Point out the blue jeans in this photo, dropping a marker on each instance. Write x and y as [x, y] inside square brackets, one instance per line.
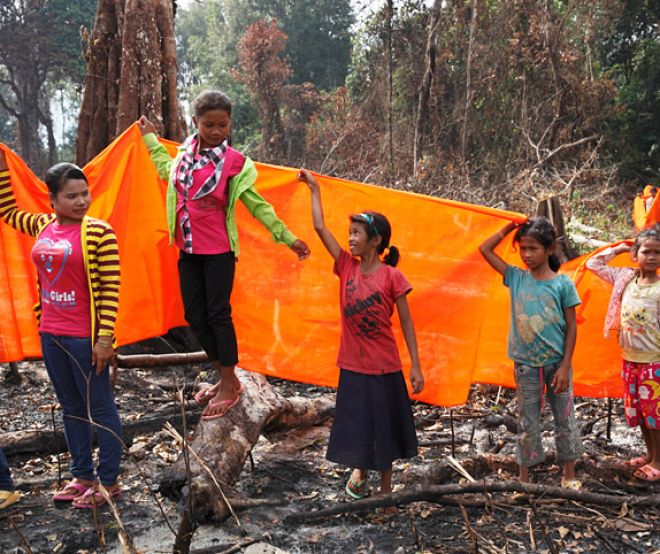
[6, 484]
[530, 384]
[69, 364]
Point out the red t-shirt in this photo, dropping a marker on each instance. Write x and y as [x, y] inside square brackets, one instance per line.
[367, 303]
[208, 215]
[65, 296]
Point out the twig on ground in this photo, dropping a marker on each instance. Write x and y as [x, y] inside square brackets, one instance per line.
[532, 539]
[24, 542]
[544, 529]
[476, 537]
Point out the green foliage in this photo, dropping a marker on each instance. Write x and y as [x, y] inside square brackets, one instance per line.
[631, 54]
[65, 19]
[208, 32]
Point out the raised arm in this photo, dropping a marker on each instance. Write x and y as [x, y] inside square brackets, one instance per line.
[327, 238]
[598, 263]
[487, 248]
[416, 377]
[22, 221]
[158, 153]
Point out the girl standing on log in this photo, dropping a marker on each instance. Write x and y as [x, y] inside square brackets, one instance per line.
[373, 424]
[77, 262]
[634, 309]
[542, 337]
[205, 180]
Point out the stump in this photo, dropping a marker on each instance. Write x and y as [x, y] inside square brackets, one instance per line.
[223, 444]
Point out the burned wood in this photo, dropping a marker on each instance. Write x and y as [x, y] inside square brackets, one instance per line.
[52, 442]
[221, 446]
[496, 420]
[430, 493]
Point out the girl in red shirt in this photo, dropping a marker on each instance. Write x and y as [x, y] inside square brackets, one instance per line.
[373, 423]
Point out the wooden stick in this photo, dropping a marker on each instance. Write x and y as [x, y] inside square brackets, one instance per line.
[160, 360]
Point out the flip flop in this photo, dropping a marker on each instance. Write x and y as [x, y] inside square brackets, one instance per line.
[62, 496]
[223, 405]
[205, 395]
[357, 489]
[93, 499]
[647, 473]
[7, 498]
[571, 484]
[635, 463]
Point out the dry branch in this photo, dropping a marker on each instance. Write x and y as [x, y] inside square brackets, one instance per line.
[431, 493]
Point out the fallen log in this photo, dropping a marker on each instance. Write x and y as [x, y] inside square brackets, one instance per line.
[432, 493]
[221, 446]
[45, 442]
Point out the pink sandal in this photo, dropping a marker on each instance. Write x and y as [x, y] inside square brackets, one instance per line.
[94, 499]
[223, 405]
[63, 496]
[636, 463]
[205, 395]
[647, 473]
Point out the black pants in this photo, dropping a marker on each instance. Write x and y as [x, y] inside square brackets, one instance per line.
[206, 282]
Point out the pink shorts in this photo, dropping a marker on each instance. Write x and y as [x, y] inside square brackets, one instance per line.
[641, 393]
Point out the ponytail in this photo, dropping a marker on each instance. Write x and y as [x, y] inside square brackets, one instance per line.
[392, 256]
[553, 262]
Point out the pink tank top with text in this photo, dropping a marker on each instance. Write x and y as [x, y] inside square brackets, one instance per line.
[64, 289]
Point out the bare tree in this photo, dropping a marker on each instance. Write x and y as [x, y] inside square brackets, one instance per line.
[427, 82]
[468, 84]
[25, 63]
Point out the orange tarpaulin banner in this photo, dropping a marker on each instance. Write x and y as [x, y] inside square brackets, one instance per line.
[287, 312]
[641, 217]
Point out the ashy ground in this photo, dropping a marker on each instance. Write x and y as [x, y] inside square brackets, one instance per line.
[290, 472]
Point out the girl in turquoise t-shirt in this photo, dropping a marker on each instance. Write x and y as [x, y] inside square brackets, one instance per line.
[542, 338]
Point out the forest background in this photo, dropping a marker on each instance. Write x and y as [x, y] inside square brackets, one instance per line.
[496, 102]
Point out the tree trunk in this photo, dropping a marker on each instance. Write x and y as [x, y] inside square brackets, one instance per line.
[552, 35]
[427, 82]
[223, 444]
[550, 208]
[468, 84]
[390, 89]
[131, 71]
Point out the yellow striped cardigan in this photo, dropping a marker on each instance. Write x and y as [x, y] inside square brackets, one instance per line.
[100, 255]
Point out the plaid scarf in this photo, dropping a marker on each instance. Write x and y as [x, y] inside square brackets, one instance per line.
[184, 177]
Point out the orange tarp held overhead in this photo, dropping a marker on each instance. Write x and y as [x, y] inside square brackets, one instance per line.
[287, 312]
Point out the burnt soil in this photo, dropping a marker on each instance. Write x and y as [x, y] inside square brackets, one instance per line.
[291, 468]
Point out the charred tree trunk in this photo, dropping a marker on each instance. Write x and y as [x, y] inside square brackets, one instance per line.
[550, 208]
[223, 444]
[131, 71]
[427, 82]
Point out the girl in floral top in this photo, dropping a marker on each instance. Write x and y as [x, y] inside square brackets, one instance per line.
[634, 310]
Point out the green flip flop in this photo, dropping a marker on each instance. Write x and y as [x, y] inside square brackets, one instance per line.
[357, 490]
